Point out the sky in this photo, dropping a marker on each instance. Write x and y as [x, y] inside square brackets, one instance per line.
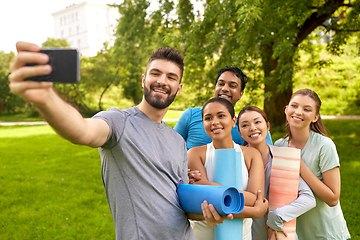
[31, 20]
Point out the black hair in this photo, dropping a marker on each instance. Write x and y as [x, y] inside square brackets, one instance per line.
[224, 102]
[237, 72]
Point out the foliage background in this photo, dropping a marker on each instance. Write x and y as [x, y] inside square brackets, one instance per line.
[335, 78]
[231, 32]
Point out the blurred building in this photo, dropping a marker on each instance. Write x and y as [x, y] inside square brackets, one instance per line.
[86, 26]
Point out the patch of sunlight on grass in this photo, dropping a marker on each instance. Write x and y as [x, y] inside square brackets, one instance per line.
[173, 114]
[353, 135]
[25, 131]
[354, 164]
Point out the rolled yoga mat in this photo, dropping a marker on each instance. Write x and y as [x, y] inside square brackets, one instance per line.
[225, 199]
[284, 184]
[228, 172]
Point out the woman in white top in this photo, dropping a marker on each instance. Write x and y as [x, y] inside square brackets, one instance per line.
[253, 127]
[219, 118]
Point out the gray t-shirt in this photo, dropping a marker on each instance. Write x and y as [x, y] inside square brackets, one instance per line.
[142, 164]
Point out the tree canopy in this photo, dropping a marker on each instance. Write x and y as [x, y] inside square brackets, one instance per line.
[262, 37]
[266, 35]
[9, 103]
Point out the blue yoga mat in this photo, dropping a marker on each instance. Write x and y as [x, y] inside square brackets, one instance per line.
[228, 172]
[225, 199]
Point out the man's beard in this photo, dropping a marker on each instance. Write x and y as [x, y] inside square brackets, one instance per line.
[157, 101]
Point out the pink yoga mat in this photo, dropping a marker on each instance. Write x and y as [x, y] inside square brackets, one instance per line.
[284, 184]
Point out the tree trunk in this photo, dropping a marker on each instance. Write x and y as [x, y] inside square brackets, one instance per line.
[102, 94]
[275, 99]
[79, 97]
[274, 105]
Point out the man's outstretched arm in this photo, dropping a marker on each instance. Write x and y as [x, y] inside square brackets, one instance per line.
[64, 118]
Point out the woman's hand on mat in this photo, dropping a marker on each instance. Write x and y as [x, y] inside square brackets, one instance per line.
[261, 204]
[194, 176]
[272, 233]
[211, 216]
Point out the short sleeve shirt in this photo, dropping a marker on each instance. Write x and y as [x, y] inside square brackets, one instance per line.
[321, 222]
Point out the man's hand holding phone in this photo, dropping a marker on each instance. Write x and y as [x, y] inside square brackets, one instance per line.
[34, 92]
[28, 63]
[64, 63]
[60, 115]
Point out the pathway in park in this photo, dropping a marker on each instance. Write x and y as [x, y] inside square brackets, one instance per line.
[357, 117]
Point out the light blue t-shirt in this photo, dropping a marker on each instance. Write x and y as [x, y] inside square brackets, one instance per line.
[321, 222]
[191, 128]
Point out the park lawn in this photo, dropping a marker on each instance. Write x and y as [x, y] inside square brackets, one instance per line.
[346, 135]
[52, 189]
[32, 116]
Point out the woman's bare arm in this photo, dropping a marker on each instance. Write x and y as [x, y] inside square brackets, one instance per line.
[329, 190]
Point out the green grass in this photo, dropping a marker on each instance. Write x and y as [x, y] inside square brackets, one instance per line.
[31, 116]
[346, 135]
[173, 114]
[20, 117]
[52, 189]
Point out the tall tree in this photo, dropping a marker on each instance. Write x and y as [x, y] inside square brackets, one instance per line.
[141, 29]
[266, 34]
[99, 73]
[262, 37]
[184, 11]
[53, 42]
[9, 103]
[131, 46]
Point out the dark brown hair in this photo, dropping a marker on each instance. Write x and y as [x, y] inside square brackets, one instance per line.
[251, 109]
[169, 54]
[224, 102]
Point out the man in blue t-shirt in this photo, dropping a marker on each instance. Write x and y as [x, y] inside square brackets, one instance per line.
[230, 84]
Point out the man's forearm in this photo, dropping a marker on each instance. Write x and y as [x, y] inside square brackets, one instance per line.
[62, 117]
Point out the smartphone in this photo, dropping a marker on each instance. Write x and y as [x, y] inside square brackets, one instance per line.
[65, 64]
